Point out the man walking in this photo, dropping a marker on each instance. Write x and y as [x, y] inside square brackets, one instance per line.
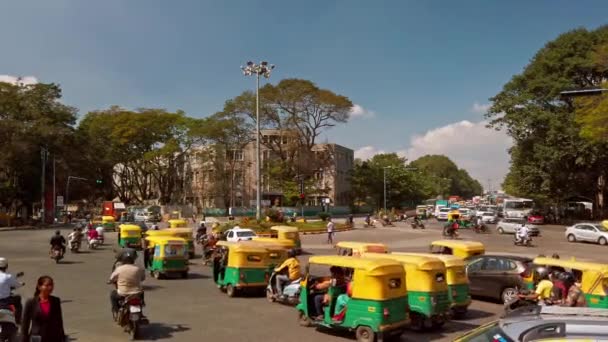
[330, 230]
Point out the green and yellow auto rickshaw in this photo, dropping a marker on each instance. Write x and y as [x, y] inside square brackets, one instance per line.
[376, 307]
[129, 235]
[108, 223]
[457, 280]
[422, 212]
[593, 277]
[427, 288]
[240, 267]
[167, 256]
[177, 223]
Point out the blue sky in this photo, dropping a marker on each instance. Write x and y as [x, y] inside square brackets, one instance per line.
[418, 66]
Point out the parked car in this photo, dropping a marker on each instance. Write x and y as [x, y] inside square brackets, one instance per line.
[588, 232]
[497, 276]
[443, 214]
[239, 234]
[543, 323]
[510, 225]
[489, 217]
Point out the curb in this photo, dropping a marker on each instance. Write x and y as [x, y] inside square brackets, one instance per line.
[325, 232]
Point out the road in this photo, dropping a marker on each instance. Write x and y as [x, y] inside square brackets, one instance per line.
[194, 309]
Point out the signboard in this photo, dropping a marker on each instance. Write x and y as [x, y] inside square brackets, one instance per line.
[60, 201]
[119, 205]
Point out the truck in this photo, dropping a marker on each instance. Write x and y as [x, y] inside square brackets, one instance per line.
[114, 209]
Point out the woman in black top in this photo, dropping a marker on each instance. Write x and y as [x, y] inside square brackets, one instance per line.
[42, 314]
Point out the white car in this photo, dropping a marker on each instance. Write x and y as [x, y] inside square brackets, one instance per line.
[443, 214]
[465, 214]
[239, 234]
[488, 217]
[510, 225]
[589, 232]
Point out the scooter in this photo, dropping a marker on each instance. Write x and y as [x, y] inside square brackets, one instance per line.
[291, 292]
[56, 254]
[450, 232]
[93, 243]
[130, 315]
[74, 246]
[8, 324]
[480, 228]
[525, 241]
[417, 224]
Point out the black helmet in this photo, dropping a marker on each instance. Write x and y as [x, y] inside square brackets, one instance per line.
[567, 277]
[127, 255]
[542, 272]
[291, 253]
[57, 232]
[555, 274]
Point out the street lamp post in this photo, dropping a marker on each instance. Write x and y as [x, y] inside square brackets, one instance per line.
[263, 69]
[67, 189]
[384, 171]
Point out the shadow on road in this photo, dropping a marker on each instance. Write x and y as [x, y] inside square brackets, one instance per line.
[152, 287]
[442, 333]
[198, 276]
[159, 331]
[69, 262]
[475, 314]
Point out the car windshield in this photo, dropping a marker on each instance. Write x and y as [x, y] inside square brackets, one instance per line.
[245, 234]
[489, 332]
[444, 210]
[601, 227]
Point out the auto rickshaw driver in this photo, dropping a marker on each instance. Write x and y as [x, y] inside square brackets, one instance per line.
[293, 269]
[322, 298]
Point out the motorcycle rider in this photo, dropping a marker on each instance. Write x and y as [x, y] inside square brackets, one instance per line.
[58, 241]
[523, 232]
[293, 269]
[544, 288]
[8, 282]
[92, 235]
[75, 236]
[128, 278]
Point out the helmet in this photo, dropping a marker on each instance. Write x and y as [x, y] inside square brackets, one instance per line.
[556, 274]
[567, 277]
[291, 253]
[127, 256]
[542, 272]
[57, 232]
[3, 263]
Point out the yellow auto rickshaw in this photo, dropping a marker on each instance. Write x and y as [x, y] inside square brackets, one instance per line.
[376, 307]
[457, 280]
[460, 248]
[357, 249]
[593, 277]
[178, 223]
[130, 235]
[422, 212]
[166, 256]
[285, 236]
[184, 233]
[276, 253]
[240, 266]
[427, 288]
[108, 223]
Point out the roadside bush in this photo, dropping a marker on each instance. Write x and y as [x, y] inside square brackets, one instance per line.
[274, 215]
[323, 215]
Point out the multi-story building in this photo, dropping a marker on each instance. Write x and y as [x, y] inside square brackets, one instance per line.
[212, 182]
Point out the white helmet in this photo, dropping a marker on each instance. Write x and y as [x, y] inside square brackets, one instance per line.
[3, 263]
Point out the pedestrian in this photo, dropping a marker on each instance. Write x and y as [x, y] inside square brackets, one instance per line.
[330, 230]
[42, 314]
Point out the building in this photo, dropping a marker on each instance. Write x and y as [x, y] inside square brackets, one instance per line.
[230, 181]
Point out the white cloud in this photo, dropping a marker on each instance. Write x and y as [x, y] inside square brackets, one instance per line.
[366, 152]
[479, 150]
[480, 108]
[359, 112]
[14, 79]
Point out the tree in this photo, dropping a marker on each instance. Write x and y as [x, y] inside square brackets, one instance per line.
[446, 177]
[549, 160]
[31, 118]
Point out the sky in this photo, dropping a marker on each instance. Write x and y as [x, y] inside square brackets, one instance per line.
[420, 73]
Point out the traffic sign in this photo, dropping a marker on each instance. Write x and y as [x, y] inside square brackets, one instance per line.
[60, 201]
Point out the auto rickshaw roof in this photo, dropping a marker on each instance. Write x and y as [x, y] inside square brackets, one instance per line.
[460, 244]
[180, 230]
[448, 260]
[242, 247]
[108, 218]
[289, 229]
[268, 245]
[357, 244]
[369, 265]
[177, 220]
[572, 264]
[420, 261]
[129, 227]
[165, 239]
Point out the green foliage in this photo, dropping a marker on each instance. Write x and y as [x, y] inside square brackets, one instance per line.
[274, 215]
[323, 215]
[549, 159]
[446, 178]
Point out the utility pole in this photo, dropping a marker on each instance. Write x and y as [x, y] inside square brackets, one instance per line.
[43, 156]
[54, 192]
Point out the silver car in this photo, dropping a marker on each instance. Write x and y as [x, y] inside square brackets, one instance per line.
[510, 225]
[588, 232]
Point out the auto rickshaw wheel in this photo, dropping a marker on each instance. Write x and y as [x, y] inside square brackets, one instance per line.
[230, 290]
[157, 275]
[365, 334]
[303, 320]
[417, 321]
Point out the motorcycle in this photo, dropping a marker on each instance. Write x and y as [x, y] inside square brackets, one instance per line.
[130, 315]
[525, 241]
[480, 228]
[93, 243]
[74, 245]
[291, 292]
[417, 224]
[450, 232]
[520, 301]
[56, 254]
[8, 324]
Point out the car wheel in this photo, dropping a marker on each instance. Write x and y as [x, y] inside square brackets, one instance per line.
[500, 230]
[571, 238]
[508, 294]
[602, 241]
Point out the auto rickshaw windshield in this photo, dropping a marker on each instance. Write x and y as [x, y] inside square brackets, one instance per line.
[173, 250]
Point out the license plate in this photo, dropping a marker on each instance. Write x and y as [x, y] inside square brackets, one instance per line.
[133, 308]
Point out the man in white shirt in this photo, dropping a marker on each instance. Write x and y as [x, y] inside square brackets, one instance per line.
[523, 231]
[330, 230]
[128, 279]
[8, 281]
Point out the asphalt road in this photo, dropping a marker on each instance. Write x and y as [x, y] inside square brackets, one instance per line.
[194, 309]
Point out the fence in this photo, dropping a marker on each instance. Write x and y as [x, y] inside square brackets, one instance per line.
[309, 211]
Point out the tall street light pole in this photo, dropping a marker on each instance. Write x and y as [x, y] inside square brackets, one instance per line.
[263, 69]
[44, 154]
[384, 169]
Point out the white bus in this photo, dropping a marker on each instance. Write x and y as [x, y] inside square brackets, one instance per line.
[517, 207]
